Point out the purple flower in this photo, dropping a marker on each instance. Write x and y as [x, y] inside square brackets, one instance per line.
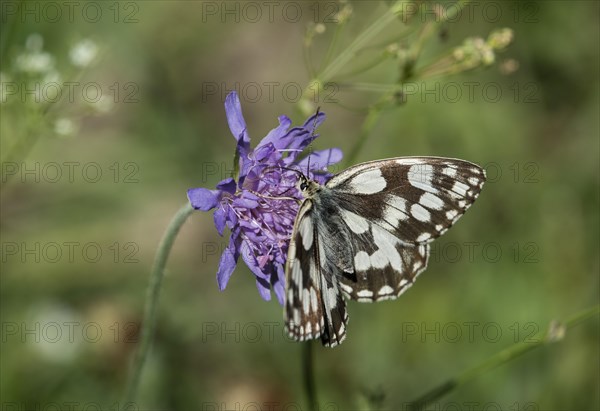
[260, 207]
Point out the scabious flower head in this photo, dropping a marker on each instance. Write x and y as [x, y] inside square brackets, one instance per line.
[260, 204]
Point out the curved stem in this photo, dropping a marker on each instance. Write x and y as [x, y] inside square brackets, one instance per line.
[152, 294]
[309, 375]
[554, 333]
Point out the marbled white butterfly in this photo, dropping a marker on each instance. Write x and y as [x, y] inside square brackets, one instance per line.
[365, 235]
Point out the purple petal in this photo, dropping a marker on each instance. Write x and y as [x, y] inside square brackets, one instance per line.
[277, 133]
[227, 263]
[264, 289]
[203, 198]
[219, 217]
[294, 138]
[250, 260]
[231, 217]
[261, 153]
[279, 284]
[228, 185]
[236, 121]
[319, 160]
[247, 200]
[314, 121]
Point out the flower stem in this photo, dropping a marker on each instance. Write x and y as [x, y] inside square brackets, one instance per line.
[309, 375]
[152, 294]
[365, 131]
[554, 333]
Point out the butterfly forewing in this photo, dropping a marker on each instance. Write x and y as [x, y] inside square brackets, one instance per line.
[314, 305]
[415, 198]
[303, 306]
[365, 235]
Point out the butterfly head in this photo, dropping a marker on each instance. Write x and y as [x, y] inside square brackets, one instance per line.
[307, 187]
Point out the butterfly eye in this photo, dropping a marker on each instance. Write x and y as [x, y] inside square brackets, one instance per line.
[303, 183]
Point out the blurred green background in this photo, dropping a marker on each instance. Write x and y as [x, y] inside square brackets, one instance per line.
[77, 246]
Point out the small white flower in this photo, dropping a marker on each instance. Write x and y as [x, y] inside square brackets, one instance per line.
[58, 335]
[64, 127]
[83, 53]
[103, 105]
[34, 60]
[34, 63]
[52, 76]
[34, 43]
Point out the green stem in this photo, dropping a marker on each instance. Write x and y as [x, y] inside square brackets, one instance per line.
[553, 334]
[369, 123]
[309, 375]
[8, 31]
[332, 46]
[152, 294]
[368, 66]
[363, 38]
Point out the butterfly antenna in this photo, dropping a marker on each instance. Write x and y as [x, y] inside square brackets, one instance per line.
[312, 134]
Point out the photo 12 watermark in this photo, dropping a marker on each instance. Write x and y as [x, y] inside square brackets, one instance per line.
[90, 92]
[265, 406]
[472, 332]
[271, 91]
[124, 12]
[52, 172]
[471, 406]
[69, 332]
[335, 12]
[69, 252]
[69, 406]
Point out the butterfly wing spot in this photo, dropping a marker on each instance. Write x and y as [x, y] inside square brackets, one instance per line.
[449, 171]
[431, 201]
[460, 189]
[365, 293]
[346, 289]
[332, 297]
[369, 182]
[393, 215]
[409, 161]
[356, 223]
[314, 302]
[362, 261]
[474, 181]
[385, 291]
[387, 252]
[306, 300]
[424, 237]
[421, 176]
[306, 232]
[420, 213]
[451, 214]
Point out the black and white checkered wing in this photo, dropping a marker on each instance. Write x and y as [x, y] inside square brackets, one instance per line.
[314, 305]
[392, 209]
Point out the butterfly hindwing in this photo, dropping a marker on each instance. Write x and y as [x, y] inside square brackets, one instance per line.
[384, 266]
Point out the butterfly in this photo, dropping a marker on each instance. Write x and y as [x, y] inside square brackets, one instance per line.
[365, 235]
